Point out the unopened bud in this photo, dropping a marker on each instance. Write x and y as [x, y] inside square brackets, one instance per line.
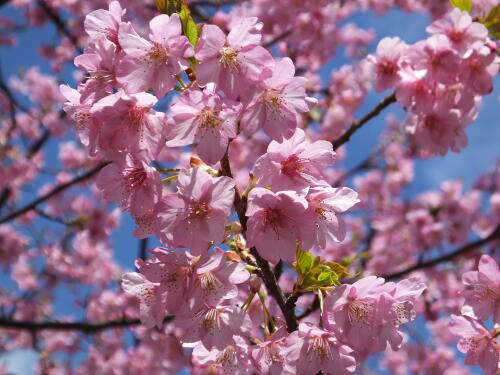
[234, 228]
[196, 162]
[240, 241]
[255, 283]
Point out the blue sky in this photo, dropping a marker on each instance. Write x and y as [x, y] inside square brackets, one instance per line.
[482, 152]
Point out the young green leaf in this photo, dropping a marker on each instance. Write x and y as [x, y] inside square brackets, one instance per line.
[465, 5]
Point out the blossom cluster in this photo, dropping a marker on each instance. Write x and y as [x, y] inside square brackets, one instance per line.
[439, 80]
[224, 145]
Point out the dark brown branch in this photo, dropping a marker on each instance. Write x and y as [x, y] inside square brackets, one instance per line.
[52, 193]
[359, 123]
[430, 263]
[4, 2]
[84, 326]
[277, 38]
[267, 273]
[216, 3]
[58, 22]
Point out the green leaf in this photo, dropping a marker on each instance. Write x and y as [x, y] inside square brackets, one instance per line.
[492, 22]
[305, 261]
[465, 5]
[189, 28]
[169, 6]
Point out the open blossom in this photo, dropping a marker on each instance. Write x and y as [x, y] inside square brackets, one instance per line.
[128, 123]
[230, 61]
[482, 291]
[195, 216]
[277, 102]
[152, 304]
[274, 223]
[477, 343]
[214, 326]
[324, 206]
[78, 109]
[171, 270]
[132, 182]
[153, 64]
[233, 359]
[460, 30]
[207, 117]
[293, 163]
[99, 61]
[311, 349]
[216, 279]
[388, 61]
[438, 131]
[437, 56]
[367, 314]
[105, 23]
[269, 356]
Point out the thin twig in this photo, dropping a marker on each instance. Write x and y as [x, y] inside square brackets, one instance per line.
[84, 326]
[267, 273]
[53, 192]
[460, 251]
[359, 123]
[56, 19]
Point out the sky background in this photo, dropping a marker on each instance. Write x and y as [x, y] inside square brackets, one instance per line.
[482, 152]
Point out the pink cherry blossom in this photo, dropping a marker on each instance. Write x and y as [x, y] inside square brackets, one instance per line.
[131, 182]
[482, 291]
[269, 356]
[233, 359]
[195, 215]
[152, 304]
[227, 60]
[171, 270]
[207, 117]
[273, 223]
[216, 279]
[78, 109]
[278, 101]
[214, 326]
[293, 163]
[324, 205]
[153, 64]
[105, 23]
[437, 56]
[128, 123]
[460, 30]
[99, 61]
[388, 61]
[477, 343]
[311, 349]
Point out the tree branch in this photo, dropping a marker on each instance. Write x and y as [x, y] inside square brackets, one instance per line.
[359, 123]
[84, 326]
[460, 251]
[56, 19]
[267, 273]
[53, 192]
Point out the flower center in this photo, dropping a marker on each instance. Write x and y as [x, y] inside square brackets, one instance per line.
[359, 312]
[157, 55]
[208, 282]
[198, 210]
[209, 118]
[272, 100]
[228, 58]
[228, 356]
[211, 318]
[321, 348]
[137, 115]
[133, 178]
[292, 166]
